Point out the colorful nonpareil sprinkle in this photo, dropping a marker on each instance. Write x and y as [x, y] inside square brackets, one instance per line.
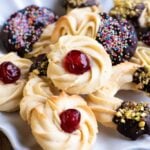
[24, 28]
[118, 38]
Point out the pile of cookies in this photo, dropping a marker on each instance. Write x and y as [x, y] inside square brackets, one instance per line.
[63, 73]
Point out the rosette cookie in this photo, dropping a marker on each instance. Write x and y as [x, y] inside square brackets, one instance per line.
[84, 21]
[123, 81]
[78, 65]
[36, 91]
[13, 76]
[62, 122]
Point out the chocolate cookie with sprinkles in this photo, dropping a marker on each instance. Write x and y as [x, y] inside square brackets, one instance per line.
[138, 13]
[118, 37]
[24, 28]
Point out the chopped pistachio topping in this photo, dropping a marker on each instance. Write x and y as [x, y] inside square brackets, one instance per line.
[118, 114]
[126, 8]
[141, 124]
[80, 3]
[142, 78]
[76, 2]
[133, 111]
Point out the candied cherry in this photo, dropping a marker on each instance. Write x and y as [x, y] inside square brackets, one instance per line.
[9, 73]
[70, 120]
[76, 62]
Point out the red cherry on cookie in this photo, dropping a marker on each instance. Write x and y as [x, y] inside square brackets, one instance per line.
[70, 120]
[9, 73]
[76, 62]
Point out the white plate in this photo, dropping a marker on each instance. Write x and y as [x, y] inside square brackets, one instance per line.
[18, 131]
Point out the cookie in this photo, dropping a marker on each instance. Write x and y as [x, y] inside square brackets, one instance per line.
[13, 76]
[118, 37]
[78, 64]
[24, 28]
[80, 3]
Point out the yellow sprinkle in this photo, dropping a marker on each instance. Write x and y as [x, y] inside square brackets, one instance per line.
[143, 114]
[137, 118]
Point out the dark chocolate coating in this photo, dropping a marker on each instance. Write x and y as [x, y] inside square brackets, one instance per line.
[87, 3]
[40, 64]
[147, 128]
[144, 35]
[130, 128]
[142, 77]
[24, 28]
[118, 37]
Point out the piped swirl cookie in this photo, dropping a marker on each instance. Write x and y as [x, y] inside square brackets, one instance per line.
[35, 92]
[83, 21]
[124, 72]
[66, 122]
[78, 65]
[61, 122]
[13, 76]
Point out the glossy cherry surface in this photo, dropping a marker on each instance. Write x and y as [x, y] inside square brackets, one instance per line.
[76, 62]
[9, 73]
[70, 120]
